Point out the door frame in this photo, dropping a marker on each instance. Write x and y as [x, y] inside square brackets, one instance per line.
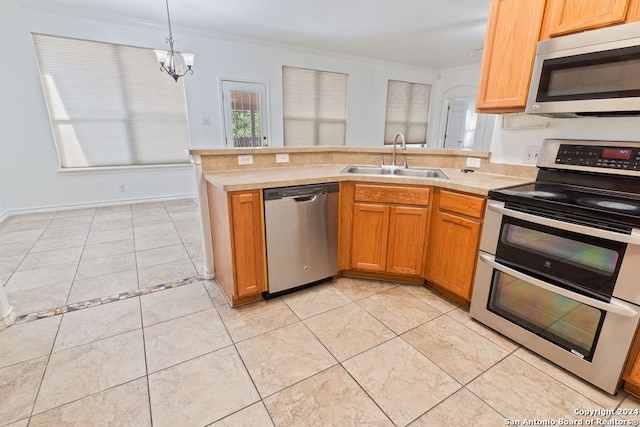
[265, 116]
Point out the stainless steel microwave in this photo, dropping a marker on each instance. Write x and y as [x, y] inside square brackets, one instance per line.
[594, 73]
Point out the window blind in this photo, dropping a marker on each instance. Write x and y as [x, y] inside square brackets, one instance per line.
[407, 111]
[110, 105]
[314, 107]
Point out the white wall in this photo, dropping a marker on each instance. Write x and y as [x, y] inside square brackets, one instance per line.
[28, 163]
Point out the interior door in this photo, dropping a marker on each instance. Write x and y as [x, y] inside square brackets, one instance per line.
[456, 118]
[244, 106]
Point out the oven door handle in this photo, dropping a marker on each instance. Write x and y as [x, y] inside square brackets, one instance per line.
[633, 238]
[610, 307]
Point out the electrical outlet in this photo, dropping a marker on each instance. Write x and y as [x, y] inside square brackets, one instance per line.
[123, 188]
[206, 121]
[531, 154]
[473, 162]
[282, 158]
[245, 159]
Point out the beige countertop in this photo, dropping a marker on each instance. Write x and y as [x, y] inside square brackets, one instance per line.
[249, 179]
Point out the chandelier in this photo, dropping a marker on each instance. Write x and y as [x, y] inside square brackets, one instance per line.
[169, 59]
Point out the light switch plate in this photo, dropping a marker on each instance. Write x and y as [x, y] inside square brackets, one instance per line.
[473, 162]
[531, 154]
[245, 159]
[282, 158]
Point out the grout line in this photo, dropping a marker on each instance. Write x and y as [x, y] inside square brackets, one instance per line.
[24, 318]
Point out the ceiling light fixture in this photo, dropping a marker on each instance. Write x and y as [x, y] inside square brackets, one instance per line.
[169, 59]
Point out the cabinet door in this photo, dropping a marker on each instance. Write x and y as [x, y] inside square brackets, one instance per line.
[248, 242]
[570, 16]
[370, 236]
[407, 229]
[513, 29]
[453, 249]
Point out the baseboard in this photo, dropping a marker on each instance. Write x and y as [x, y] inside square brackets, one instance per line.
[13, 212]
[8, 318]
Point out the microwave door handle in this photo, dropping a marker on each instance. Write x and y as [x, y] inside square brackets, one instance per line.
[633, 238]
[606, 306]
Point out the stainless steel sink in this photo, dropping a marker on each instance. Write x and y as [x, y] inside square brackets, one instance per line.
[395, 171]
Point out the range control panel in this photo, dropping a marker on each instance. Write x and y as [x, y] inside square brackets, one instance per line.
[624, 158]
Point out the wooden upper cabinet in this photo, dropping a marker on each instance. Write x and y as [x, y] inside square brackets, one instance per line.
[570, 16]
[513, 29]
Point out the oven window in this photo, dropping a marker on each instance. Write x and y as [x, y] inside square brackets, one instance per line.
[563, 321]
[584, 255]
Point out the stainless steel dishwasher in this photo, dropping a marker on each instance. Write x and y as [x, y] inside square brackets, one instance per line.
[302, 235]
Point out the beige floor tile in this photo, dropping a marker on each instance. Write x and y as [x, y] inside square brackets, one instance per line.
[15, 249]
[21, 423]
[253, 319]
[398, 310]
[61, 274]
[629, 410]
[28, 340]
[143, 220]
[172, 303]
[462, 353]
[108, 210]
[255, 415]
[49, 258]
[18, 389]
[589, 391]
[156, 236]
[517, 390]
[103, 286]
[11, 226]
[315, 300]
[109, 235]
[293, 354]
[39, 299]
[175, 341]
[104, 249]
[357, 289]
[461, 409]
[96, 323]
[187, 216]
[330, 398]
[27, 236]
[215, 292]
[181, 205]
[105, 265]
[423, 293]
[33, 216]
[462, 315]
[403, 382]
[63, 242]
[124, 405]
[165, 273]
[201, 391]
[65, 230]
[76, 212]
[81, 371]
[164, 255]
[107, 224]
[348, 330]
[9, 264]
[75, 221]
[189, 231]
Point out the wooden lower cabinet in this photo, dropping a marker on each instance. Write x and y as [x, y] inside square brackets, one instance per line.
[631, 374]
[387, 236]
[454, 240]
[237, 228]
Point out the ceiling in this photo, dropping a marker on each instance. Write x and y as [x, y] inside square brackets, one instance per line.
[432, 34]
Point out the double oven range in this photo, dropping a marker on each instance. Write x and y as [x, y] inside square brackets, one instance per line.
[559, 262]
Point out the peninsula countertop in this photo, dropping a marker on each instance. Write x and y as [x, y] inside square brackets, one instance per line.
[250, 179]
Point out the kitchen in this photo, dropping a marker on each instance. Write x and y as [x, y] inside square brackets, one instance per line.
[508, 145]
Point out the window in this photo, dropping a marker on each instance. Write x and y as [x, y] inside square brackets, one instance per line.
[407, 111]
[110, 105]
[314, 107]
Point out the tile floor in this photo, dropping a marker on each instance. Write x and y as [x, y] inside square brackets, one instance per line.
[348, 353]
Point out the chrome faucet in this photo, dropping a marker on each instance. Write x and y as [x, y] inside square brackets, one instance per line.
[403, 147]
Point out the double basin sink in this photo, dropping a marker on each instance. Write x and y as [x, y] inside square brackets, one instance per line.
[394, 171]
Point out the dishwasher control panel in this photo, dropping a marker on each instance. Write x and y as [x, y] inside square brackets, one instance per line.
[298, 191]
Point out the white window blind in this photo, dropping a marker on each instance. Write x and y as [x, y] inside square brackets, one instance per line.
[110, 105]
[407, 111]
[314, 107]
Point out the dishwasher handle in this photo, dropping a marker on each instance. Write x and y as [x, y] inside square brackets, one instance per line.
[303, 199]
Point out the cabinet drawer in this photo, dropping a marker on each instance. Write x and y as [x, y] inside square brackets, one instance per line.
[461, 203]
[392, 194]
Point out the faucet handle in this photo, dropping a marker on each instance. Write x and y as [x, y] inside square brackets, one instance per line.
[380, 161]
[405, 163]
